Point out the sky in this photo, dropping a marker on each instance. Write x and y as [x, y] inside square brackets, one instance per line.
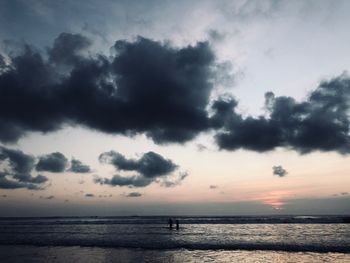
[174, 107]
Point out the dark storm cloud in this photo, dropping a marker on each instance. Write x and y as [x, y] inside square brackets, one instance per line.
[67, 49]
[27, 97]
[279, 171]
[168, 92]
[133, 194]
[78, 167]
[319, 123]
[150, 165]
[146, 87]
[154, 88]
[16, 168]
[54, 162]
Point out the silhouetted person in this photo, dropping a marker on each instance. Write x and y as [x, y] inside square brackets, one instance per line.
[170, 222]
[177, 224]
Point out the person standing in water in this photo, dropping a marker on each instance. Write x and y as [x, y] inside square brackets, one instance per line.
[177, 224]
[170, 222]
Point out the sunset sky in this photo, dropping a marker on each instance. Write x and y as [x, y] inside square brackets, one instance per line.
[174, 107]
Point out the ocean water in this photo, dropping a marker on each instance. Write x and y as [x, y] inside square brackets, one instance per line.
[199, 239]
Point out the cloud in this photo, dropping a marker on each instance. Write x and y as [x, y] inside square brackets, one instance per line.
[14, 184]
[319, 123]
[78, 167]
[174, 180]
[344, 193]
[279, 171]
[130, 181]
[18, 161]
[89, 195]
[16, 168]
[150, 167]
[215, 35]
[213, 187]
[54, 162]
[104, 196]
[146, 87]
[133, 194]
[201, 147]
[68, 49]
[162, 91]
[47, 197]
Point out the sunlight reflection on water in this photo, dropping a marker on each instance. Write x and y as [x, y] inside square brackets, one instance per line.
[91, 255]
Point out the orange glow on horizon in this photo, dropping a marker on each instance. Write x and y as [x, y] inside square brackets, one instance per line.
[275, 199]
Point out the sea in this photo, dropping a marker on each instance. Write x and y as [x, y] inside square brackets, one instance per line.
[198, 239]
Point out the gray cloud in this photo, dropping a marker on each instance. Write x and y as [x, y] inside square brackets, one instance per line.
[14, 184]
[279, 171]
[174, 180]
[213, 186]
[319, 123]
[201, 147]
[150, 167]
[48, 197]
[18, 161]
[104, 196]
[133, 194]
[130, 181]
[16, 168]
[54, 162]
[78, 167]
[89, 195]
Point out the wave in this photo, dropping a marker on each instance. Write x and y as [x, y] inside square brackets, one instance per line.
[191, 246]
